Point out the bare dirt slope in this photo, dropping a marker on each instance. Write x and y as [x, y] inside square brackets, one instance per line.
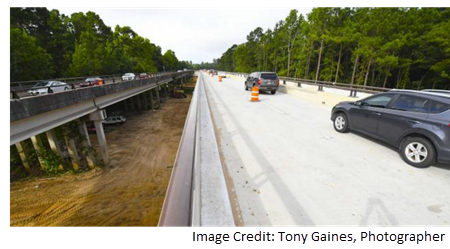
[128, 192]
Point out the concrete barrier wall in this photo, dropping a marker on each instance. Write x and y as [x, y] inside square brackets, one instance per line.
[31, 106]
[329, 96]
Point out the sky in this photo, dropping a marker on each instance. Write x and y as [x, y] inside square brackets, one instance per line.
[193, 34]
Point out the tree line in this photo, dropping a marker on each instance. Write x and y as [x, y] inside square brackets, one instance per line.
[46, 44]
[403, 48]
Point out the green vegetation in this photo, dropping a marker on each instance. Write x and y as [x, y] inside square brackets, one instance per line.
[46, 44]
[53, 163]
[386, 47]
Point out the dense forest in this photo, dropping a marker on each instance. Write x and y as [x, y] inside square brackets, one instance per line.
[386, 47]
[46, 44]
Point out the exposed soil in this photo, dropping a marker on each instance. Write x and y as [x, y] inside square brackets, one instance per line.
[128, 192]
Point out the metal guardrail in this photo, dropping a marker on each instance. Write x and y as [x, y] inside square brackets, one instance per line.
[353, 89]
[343, 86]
[20, 88]
[26, 85]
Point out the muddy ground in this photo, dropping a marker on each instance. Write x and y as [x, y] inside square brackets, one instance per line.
[128, 192]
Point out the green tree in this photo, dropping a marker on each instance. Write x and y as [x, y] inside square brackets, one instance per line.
[88, 56]
[170, 61]
[28, 60]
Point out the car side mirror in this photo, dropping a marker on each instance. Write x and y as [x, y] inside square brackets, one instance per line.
[362, 103]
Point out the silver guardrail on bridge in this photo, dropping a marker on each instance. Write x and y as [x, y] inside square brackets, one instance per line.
[352, 88]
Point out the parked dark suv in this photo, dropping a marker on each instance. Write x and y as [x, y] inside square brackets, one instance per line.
[416, 122]
[266, 81]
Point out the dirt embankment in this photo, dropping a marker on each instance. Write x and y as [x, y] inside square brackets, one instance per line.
[128, 192]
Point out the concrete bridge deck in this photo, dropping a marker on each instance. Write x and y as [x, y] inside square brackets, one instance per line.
[287, 166]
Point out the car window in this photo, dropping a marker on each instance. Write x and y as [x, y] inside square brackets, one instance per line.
[378, 101]
[410, 103]
[438, 107]
[269, 76]
[41, 84]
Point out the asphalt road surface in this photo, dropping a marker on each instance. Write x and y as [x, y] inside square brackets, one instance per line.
[287, 166]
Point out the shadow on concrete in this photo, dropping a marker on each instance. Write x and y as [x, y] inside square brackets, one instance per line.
[376, 207]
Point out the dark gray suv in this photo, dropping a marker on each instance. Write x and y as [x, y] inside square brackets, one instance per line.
[417, 123]
[266, 81]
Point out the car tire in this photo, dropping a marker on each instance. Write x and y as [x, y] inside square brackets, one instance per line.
[66, 89]
[273, 92]
[246, 87]
[418, 152]
[340, 122]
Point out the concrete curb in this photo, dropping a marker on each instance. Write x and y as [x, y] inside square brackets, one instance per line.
[213, 199]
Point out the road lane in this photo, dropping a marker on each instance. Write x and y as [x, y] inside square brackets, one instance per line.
[289, 167]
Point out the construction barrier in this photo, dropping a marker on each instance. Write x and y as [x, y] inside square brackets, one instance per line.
[255, 94]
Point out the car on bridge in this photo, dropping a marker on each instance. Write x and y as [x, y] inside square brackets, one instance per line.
[128, 76]
[415, 122]
[93, 81]
[44, 87]
[265, 81]
[143, 76]
[222, 74]
[114, 120]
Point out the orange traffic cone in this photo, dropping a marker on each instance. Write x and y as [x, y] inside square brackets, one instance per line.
[255, 94]
[220, 78]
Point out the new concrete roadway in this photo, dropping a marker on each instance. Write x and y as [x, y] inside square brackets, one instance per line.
[287, 166]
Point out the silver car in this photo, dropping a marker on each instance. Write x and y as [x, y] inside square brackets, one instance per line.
[45, 87]
[265, 81]
[114, 120]
[128, 76]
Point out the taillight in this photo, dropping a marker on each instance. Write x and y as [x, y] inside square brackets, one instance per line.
[259, 82]
[278, 82]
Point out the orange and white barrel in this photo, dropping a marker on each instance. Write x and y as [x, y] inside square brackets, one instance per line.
[220, 78]
[255, 94]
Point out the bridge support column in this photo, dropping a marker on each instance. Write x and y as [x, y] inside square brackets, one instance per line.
[152, 101]
[98, 117]
[125, 105]
[132, 106]
[53, 141]
[138, 102]
[144, 101]
[23, 156]
[72, 148]
[38, 146]
[158, 100]
[164, 90]
[87, 143]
